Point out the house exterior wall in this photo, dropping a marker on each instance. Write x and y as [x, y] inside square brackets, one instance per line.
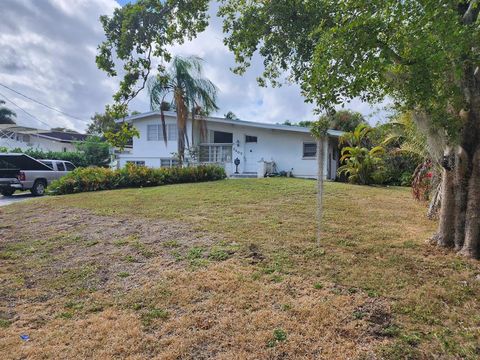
[35, 142]
[283, 147]
[151, 152]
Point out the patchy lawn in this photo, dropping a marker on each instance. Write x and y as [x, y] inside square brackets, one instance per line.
[230, 270]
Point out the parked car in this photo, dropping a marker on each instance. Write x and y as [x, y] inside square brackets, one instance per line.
[22, 172]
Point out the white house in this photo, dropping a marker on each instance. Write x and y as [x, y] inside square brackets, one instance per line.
[255, 146]
[15, 136]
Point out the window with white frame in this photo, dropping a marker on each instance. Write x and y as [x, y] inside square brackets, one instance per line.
[172, 132]
[155, 132]
[309, 150]
[168, 162]
[138, 163]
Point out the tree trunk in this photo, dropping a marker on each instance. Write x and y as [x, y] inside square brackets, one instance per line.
[461, 192]
[445, 235]
[471, 246]
[320, 175]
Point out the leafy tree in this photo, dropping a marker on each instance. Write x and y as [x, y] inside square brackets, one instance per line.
[231, 116]
[191, 93]
[422, 54]
[139, 32]
[64, 129]
[101, 124]
[95, 150]
[346, 120]
[7, 116]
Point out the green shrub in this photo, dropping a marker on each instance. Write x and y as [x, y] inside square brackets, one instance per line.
[132, 176]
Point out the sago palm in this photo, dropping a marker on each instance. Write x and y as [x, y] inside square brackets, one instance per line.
[191, 95]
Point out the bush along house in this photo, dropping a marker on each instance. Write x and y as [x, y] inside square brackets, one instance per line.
[242, 148]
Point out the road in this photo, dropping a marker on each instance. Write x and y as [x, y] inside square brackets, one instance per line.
[7, 200]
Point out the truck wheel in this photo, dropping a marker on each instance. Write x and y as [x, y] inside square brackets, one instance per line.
[8, 192]
[38, 188]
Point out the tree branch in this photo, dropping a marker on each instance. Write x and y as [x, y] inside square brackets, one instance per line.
[471, 15]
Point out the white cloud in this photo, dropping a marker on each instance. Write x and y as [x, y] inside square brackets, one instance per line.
[48, 53]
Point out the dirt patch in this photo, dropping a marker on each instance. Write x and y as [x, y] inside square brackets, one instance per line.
[88, 286]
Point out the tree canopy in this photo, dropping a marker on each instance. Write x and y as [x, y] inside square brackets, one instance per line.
[139, 32]
[7, 116]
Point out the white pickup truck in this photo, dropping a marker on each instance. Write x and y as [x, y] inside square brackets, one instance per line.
[22, 172]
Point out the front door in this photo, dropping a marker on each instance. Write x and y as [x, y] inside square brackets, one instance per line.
[251, 156]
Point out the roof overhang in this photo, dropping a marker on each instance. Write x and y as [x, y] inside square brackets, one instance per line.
[289, 128]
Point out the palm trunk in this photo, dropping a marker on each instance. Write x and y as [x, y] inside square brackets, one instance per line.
[320, 175]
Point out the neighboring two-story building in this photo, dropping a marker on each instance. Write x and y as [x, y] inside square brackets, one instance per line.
[253, 146]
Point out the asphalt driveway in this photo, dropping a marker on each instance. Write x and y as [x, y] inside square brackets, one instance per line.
[7, 200]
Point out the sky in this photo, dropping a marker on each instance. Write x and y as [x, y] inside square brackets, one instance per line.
[48, 54]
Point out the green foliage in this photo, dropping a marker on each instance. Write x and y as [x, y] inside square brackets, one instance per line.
[420, 53]
[360, 160]
[95, 151]
[122, 136]
[7, 116]
[141, 30]
[191, 94]
[231, 116]
[319, 128]
[96, 179]
[101, 124]
[346, 120]
[76, 158]
[92, 152]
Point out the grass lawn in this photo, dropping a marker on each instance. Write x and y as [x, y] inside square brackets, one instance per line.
[230, 270]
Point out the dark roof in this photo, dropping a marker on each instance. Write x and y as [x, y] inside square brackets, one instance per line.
[64, 136]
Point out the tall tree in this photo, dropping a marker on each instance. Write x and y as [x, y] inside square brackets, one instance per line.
[191, 93]
[346, 120]
[140, 32]
[7, 116]
[423, 54]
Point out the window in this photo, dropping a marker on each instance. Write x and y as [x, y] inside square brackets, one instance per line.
[172, 132]
[69, 166]
[60, 166]
[168, 162]
[48, 163]
[309, 150]
[250, 139]
[155, 132]
[220, 137]
[138, 163]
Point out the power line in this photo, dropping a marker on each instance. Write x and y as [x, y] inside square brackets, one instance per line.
[40, 103]
[25, 111]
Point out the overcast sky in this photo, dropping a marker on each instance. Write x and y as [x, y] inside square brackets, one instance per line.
[48, 53]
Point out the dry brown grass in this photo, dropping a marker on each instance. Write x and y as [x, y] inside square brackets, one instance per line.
[230, 270]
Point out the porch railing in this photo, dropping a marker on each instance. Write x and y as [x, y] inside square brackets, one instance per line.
[215, 153]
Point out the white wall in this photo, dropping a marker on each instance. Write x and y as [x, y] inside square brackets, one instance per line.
[283, 147]
[151, 151]
[37, 143]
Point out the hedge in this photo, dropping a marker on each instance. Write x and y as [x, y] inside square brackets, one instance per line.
[132, 176]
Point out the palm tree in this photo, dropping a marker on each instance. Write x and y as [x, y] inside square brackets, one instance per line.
[191, 95]
[6, 115]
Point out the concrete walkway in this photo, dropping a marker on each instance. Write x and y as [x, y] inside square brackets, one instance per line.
[7, 200]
